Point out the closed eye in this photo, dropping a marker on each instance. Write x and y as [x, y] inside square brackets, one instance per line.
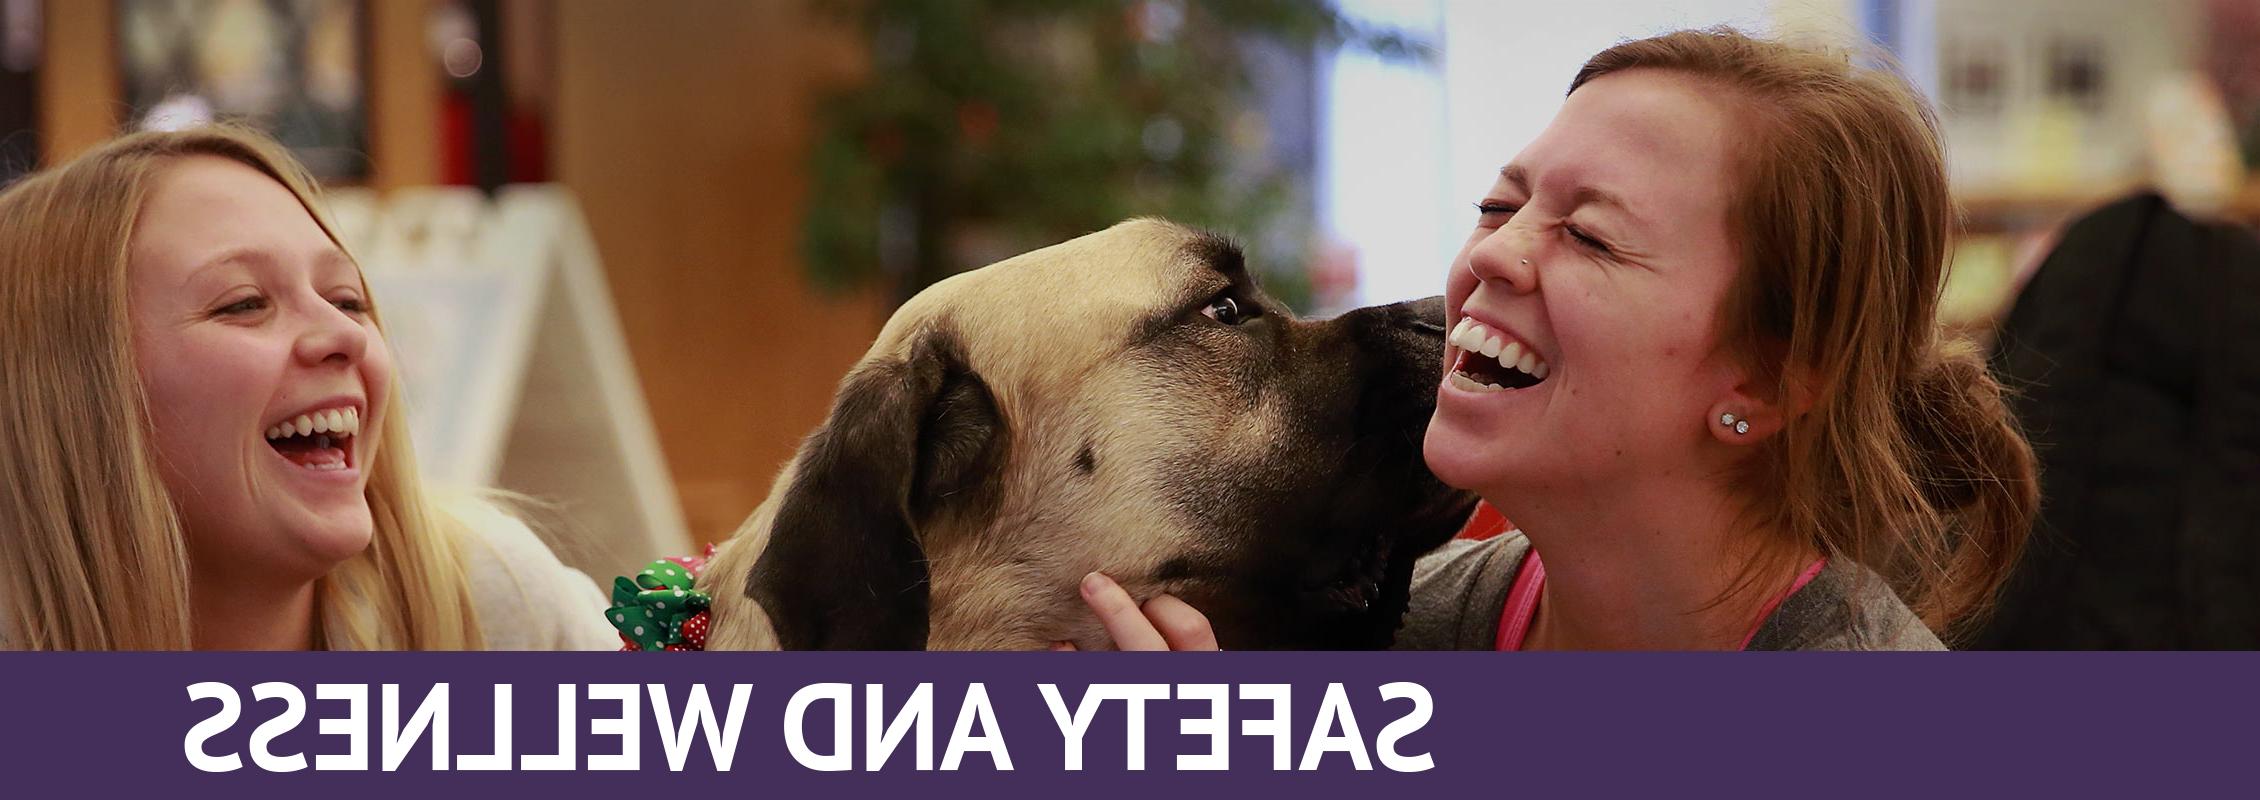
[248, 305]
[1492, 214]
[1586, 240]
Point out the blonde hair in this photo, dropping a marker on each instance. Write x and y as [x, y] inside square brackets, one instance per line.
[1907, 460]
[93, 547]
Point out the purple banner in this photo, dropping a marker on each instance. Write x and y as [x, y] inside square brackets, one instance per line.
[1313, 724]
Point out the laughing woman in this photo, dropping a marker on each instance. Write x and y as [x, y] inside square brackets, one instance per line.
[200, 445]
[1694, 355]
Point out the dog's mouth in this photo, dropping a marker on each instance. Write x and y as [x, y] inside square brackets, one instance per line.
[1358, 584]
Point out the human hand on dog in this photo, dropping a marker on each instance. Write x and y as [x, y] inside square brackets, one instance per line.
[1163, 623]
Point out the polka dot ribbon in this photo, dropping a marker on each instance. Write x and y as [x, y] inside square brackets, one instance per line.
[660, 608]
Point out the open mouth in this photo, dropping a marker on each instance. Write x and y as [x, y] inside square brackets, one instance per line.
[1358, 585]
[319, 440]
[1491, 361]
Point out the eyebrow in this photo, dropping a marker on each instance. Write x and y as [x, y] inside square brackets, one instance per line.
[1584, 195]
[333, 257]
[1221, 254]
[235, 255]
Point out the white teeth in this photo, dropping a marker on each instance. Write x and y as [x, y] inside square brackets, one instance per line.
[1466, 383]
[1474, 337]
[1469, 335]
[340, 421]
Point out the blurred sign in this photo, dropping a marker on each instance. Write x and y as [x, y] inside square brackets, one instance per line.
[516, 372]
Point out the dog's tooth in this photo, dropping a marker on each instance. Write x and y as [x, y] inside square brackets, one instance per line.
[301, 426]
[1528, 361]
[1491, 345]
[1509, 353]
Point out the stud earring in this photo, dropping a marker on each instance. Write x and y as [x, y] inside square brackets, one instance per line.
[1740, 426]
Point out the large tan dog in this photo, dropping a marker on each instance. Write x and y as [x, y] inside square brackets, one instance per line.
[1129, 402]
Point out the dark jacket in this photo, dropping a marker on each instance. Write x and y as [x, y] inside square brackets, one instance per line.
[2135, 353]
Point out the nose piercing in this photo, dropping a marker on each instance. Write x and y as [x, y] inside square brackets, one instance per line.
[1740, 426]
[1526, 262]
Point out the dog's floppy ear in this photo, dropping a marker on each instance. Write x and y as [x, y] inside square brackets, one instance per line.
[844, 568]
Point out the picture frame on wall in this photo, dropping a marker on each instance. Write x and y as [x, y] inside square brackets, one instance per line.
[1973, 76]
[20, 40]
[294, 68]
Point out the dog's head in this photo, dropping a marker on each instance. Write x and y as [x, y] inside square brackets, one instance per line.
[1130, 402]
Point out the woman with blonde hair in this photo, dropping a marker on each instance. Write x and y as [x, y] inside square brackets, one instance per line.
[1694, 355]
[200, 440]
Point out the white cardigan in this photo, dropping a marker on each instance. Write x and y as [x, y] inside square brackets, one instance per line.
[524, 597]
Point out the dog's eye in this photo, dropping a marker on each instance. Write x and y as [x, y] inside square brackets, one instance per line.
[1228, 311]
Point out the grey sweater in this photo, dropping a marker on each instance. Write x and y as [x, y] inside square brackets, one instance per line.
[1459, 591]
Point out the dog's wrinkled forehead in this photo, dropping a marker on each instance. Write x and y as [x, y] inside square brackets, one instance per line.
[1092, 294]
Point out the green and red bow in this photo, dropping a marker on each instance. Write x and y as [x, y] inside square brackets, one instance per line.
[661, 608]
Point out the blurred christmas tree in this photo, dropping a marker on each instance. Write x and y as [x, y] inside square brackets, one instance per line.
[990, 127]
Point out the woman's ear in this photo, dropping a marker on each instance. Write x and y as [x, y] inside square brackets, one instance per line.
[1756, 408]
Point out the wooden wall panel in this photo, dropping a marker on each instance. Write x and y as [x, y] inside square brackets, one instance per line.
[681, 127]
[78, 79]
[404, 96]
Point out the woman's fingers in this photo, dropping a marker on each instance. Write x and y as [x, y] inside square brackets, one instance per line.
[1123, 619]
[1165, 623]
[1183, 626]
